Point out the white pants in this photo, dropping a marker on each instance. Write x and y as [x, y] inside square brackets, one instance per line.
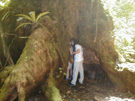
[78, 68]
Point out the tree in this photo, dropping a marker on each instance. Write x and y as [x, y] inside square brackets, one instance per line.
[40, 55]
[122, 13]
[34, 67]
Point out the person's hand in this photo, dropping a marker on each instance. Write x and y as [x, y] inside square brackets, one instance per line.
[71, 53]
[72, 61]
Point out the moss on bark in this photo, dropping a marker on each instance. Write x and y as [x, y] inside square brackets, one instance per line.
[50, 90]
[47, 47]
[40, 55]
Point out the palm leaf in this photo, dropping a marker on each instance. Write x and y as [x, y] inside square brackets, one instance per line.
[32, 15]
[22, 24]
[25, 16]
[40, 15]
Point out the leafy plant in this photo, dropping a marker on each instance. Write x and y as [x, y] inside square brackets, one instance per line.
[32, 19]
[60, 72]
[123, 15]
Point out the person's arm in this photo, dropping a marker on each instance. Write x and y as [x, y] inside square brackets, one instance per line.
[71, 51]
[77, 52]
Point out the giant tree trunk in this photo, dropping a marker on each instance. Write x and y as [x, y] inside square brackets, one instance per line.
[40, 56]
[47, 47]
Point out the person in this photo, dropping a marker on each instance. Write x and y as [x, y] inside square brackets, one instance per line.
[78, 65]
[69, 69]
[70, 62]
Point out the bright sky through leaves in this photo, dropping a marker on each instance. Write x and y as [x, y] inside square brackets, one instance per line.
[4, 3]
[123, 15]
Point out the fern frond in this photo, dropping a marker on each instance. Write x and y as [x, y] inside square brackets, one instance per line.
[22, 24]
[32, 15]
[40, 15]
[25, 16]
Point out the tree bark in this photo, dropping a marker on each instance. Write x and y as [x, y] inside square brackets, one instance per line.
[95, 39]
[40, 56]
[50, 90]
[33, 60]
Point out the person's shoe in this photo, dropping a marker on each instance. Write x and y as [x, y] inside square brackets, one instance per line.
[80, 83]
[70, 84]
[68, 79]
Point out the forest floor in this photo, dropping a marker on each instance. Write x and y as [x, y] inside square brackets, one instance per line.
[94, 90]
[91, 90]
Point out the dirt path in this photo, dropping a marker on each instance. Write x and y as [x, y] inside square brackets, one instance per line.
[94, 90]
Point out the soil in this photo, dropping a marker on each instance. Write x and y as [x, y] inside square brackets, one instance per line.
[96, 87]
[94, 90]
[91, 90]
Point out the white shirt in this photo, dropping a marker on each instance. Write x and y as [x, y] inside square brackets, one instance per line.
[78, 56]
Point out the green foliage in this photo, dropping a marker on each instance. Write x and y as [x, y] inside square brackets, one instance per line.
[60, 72]
[6, 15]
[7, 12]
[22, 25]
[31, 18]
[4, 3]
[40, 15]
[122, 12]
[133, 43]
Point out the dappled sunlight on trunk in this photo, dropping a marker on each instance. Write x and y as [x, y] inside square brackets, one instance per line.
[41, 67]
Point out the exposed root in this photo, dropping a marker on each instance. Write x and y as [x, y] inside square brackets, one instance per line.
[50, 90]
